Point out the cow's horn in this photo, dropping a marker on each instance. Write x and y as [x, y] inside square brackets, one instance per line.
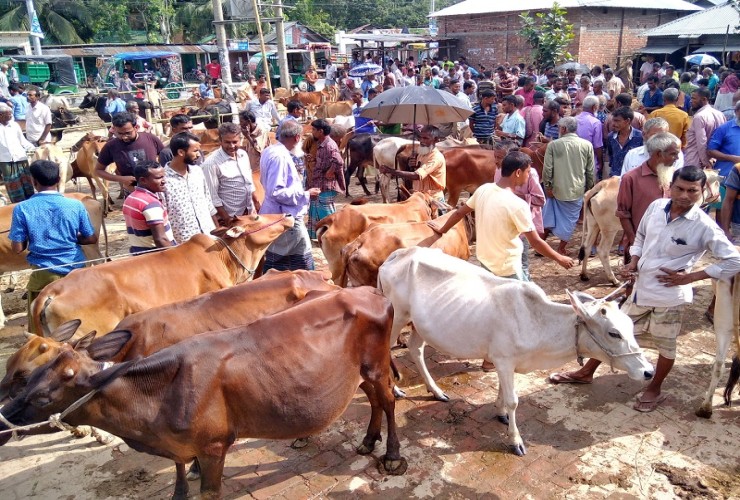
[69, 372]
[44, 347]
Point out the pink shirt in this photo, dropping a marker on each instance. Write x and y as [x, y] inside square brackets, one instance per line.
[704, 123]
[532, 119]
[528, 96]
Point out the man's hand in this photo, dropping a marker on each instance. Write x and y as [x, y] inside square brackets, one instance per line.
[386, 170]
[566, 262]
[629, 272]
[548, 193]
[309, 157]
[674, 278]
[435, 226]
[314, 192]
[129, 181]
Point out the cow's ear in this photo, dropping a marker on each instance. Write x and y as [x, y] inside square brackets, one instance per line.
[578, 306]
[65, 331]
[84, 342]
[108, 346]
[235, 232]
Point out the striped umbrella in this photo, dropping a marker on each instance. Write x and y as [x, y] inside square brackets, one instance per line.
[365, 69]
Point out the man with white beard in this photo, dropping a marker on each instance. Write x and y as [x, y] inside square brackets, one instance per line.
[647, 183]
[637, 156]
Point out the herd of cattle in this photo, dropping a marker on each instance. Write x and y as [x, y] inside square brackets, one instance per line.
[185, 352]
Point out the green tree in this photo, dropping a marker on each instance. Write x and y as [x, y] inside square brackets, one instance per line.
[60, 19]
[549, 34]
[317, 19]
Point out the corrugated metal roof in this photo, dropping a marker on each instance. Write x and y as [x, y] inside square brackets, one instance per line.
[111, 50]
[712, 21]
[495, 6]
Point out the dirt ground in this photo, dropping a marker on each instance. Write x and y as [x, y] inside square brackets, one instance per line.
[582, 441]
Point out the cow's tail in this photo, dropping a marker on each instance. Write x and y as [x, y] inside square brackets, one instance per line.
[733, 379]
[586, 211]
[41, 322]
[105, 237]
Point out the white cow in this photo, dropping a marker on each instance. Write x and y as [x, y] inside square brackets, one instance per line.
[384, 153]
[438, 292]
[726, 329]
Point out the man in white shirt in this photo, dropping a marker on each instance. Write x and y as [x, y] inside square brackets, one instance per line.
[330, 73]
[264, 110]
[673, 235]
[229, 176]
[13, 157]
[4, 82]
[639, 155]
[38, 119]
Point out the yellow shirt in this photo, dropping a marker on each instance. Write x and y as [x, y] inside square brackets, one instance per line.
[500, 217]
[432, 173]
[678, 121]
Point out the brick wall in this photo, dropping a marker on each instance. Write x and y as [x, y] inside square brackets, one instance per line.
[493, 38]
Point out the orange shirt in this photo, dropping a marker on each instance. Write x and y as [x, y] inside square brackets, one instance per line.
[432, 173]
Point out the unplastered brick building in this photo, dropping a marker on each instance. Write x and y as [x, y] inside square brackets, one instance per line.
[606, 31]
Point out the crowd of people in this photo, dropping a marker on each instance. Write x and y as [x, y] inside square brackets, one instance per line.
[658, 131]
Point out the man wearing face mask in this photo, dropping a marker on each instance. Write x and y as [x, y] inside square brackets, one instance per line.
[127, 149]
[284, 194]
[429, 174]
[229, 176]
[647, 183]
[187, 198]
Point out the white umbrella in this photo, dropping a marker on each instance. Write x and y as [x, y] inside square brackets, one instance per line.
[365, 69]
[416, 104]
[701, 59]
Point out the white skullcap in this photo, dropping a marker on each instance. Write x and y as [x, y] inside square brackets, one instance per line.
[4, 108]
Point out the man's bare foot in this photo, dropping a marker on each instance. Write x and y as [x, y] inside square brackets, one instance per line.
[569, 378]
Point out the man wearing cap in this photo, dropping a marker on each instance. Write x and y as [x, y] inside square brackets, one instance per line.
[348, 90]
[264, 110]
[13, 159]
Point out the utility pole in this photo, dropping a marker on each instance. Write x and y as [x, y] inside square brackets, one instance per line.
[221, 42]
[285, 81]
[265, 63]
[34, 38]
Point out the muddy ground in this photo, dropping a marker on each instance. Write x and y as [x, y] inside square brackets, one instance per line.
[582, 441]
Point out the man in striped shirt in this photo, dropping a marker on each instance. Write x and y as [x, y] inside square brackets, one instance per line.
[147, 223]
[483, 119]
[229, 176]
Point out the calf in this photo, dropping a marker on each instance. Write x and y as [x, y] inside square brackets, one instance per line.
[342, 227]
[363, 257]
[102, 296]
[334, 109]
[160, 327]
[194, 399]
[431, 290]
[88, 148]
[384, 153]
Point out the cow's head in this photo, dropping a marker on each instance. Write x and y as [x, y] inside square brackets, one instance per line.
[89, 101]
[607, 334]
[36, 352]
[60, 382]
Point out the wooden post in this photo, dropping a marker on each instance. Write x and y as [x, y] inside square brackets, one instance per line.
[265, 63]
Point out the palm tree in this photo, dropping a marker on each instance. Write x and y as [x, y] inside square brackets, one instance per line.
[194, 19]
[56, 18]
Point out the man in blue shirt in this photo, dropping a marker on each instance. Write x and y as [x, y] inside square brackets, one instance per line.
[653, 98]
[52, 228]
[623, 138]
[362, 125]
[20, 103]
[724, 146]
[114, 104]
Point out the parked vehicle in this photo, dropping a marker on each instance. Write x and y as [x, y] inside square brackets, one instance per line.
[56, 74]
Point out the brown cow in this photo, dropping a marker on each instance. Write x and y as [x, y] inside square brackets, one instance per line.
[467, 168]
[163, 326]
[194, 399]
[11, 261]
[88, 148]
[363, 257]
[334, 109]
[102, 296]
[342, 227]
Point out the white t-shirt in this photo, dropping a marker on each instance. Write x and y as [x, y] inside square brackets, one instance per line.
[636, 157]
[37, 118]
[500, 217]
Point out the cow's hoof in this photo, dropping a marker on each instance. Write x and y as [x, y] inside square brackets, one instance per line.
[584, 277]
[299, 443]
[442, 397]
[518, 449]
[396, 467]
[504, 419]
[704, 412]
[193, 474]
[398, 393]
[364, 449]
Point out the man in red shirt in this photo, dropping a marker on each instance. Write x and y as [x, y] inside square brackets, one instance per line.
[146, 218]
[214, 69]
